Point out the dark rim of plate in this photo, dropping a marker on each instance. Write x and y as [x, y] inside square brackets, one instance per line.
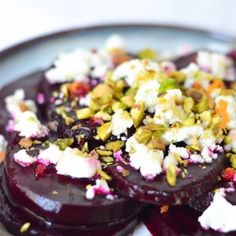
[17, 47]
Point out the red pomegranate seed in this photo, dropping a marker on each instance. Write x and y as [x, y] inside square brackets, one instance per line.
[40, 169]
[78, 89]
[229, 173]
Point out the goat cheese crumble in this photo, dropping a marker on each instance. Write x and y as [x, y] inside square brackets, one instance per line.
[133, 70]
[148, 161]
[23, 158]
[121, 121]
[28, 125]
[220, 215]
[16, 103]
[77, 164]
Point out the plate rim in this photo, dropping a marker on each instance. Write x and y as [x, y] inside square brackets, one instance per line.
[224, 37]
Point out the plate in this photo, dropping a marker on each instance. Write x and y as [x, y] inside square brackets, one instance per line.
[39, 53]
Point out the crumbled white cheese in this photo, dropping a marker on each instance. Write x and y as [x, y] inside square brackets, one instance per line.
[231, 109]
[174, 151]
[77, 65]
[100, 187]
[181, 151]
[14, 101]
[52, 154]
[23, 158]
[121, 121]
[148, 161]
[133, 70]
[210, 153]
[217, 64]
[77, 164]
[28, 125]
[114, 42]
[196, 158]
[166, 110]
[85, 101]
[207, 139]
[173, 135]
[220, 215]
[147, 93]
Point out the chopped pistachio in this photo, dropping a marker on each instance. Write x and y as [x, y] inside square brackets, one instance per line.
[164, 209]
[121, 84]
[108, 159]
[104, 115]
[131, 91]
[202, 105]
[85, 147]
[155, 127]
[147, 53]
[206, 117]
[102, 94]
[188, 104]
[101, 152]
[67, 119]
[25, 227]
[157, 143]
[189, 121]
[233, 160]
[171, 174]
[64, 143]
[125, 172]
[178, 75]
[143, 135]
[118, 105]
[137, 113]
[114, 145]
[84, 113]
[104, 175]
[26, 142]
[128, 100]
[94, 105]
[168, 84]
[104, 131]
[64, 90]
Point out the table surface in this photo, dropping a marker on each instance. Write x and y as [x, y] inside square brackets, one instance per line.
[25, 19]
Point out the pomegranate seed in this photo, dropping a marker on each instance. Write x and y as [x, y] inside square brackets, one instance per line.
[229, 173]
[40, 169]
[78, 89]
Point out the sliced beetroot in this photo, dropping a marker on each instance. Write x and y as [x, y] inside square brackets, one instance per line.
[13, 216]
[203, 202]
[185, 60]
[61, 199]
[199, 179]
[178, 221]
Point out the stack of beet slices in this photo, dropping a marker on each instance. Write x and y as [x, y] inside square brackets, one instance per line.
[38, 198]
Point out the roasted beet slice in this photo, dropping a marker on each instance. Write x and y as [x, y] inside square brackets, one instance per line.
[13, 216]
[201, 203]
[199, 179]
[61, 199]
[178, 221]
[185, 60]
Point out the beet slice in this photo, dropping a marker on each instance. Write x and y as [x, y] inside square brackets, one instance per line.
[185, 60]
[199, 179]
[178, 221]
[203, 202]
[13, 216]
[69, 205]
